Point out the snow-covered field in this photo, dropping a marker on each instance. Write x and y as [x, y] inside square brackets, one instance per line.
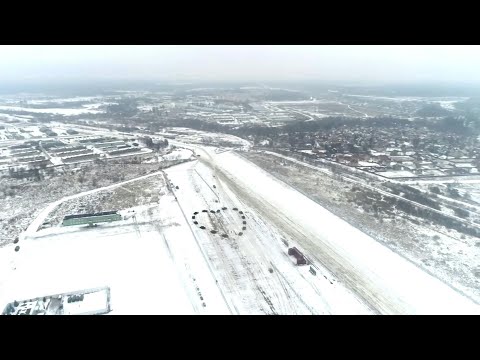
[178, 154]
[12, 117]
[440, 100]
[160, 262]
[473, 191]
[60, 111]
[241, 263]
[444, 252]
[397, 173]
[383, 279]
[29, 198]
[64, 100]
[152, 264]
[204, 137]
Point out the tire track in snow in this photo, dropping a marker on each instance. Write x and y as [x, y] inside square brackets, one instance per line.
[372, 299]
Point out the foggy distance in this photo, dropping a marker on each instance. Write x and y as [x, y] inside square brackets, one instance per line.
[288, 180]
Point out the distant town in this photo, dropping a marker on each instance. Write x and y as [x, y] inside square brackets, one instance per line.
[392, 138]
[153, 166]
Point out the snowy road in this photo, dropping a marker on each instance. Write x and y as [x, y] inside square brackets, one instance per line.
[160, 249]
[252, 266]
[162, 262]
[382, 279]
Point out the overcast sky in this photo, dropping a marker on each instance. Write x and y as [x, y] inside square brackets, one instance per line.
[359, 63]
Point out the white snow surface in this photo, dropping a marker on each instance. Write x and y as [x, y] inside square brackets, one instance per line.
[178, 154]
[64, 100]
[78, 260]
[397, 173]
[160, 263]
[366, 163]
[152, 264]
[60, 111]
[241, 263]
[385, 280]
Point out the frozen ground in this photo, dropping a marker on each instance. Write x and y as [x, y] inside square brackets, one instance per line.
[446, 253]
[29, 198]
[152, 264]
[178, 154]
[129, 194]
[160, 261]
[473, 191]
[381, 278]
[241, 262]
[204, 137]
[441, 100]
[61, 111]
[398, 173]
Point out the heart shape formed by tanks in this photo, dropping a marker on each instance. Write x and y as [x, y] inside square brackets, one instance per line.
[199, 219]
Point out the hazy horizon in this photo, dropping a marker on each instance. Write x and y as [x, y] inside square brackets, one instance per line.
[339, 64]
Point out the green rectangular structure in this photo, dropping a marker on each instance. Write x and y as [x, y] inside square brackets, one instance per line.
[90, 219]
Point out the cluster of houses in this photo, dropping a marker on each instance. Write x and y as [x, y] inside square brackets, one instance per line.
[386, 152]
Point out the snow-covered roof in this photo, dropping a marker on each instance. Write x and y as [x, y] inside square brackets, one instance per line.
[366, 163]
